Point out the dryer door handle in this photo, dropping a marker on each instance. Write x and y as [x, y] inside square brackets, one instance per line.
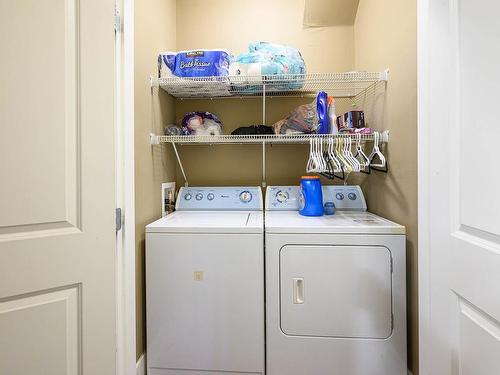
[298, 290]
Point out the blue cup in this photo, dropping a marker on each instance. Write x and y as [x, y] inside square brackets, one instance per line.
[329, 208]
[311, 196]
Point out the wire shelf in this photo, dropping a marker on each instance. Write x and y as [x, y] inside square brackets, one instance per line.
[348, 84]
[256, 139]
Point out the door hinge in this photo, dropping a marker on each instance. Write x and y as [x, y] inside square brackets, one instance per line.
[118, 21]
[118, 219]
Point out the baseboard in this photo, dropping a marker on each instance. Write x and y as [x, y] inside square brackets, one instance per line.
[141, 365]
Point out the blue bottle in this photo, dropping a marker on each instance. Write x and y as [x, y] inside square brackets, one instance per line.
[311, 196]
[322, 110]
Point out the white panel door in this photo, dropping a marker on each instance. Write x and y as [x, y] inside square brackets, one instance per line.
[459, 219]
[57, 190]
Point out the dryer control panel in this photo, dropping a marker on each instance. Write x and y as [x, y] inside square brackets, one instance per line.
[244, 198]
[345, 197]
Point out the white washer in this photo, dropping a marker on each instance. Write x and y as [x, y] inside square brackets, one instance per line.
[335, 288]
[205, 284]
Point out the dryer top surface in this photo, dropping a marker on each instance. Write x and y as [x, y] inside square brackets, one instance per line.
[342, 222]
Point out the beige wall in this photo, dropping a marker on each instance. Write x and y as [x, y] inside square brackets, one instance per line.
[385, 37]
[231, 24]
[154, 31]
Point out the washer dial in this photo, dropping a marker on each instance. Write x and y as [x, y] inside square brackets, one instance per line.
[199, 197]
[282, 196]
[188, 196]
[210, 196]
[245, 196]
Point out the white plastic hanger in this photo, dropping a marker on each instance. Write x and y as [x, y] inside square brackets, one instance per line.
[340, 155]
[337, 167]
[376, 152]
[310, 162]
[320, 165]
[356, 166]
[315, 164]
[360, 156]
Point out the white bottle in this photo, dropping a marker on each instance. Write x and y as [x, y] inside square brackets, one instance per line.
[332, 117]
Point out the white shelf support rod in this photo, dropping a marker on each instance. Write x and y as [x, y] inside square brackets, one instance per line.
[186, 184]
[264, 104]
[264, 164]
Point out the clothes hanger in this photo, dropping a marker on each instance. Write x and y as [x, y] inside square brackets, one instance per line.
[339, 152]
[356, 166]
[331, 153]
[361, 157]
[321, 159]
[345, 154]
[376, 153]
[311, 161]
[336, 166]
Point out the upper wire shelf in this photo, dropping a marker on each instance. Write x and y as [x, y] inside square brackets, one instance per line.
[348, 84]
[257, 139]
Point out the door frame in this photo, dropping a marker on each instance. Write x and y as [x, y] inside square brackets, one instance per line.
[423, 131]
[125, 182]
[429, 47]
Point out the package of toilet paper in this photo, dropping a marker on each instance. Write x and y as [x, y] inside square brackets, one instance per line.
[194, 63]
[166, 64]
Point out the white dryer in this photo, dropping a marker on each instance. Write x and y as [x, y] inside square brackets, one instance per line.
[335, 288]
[205, 284]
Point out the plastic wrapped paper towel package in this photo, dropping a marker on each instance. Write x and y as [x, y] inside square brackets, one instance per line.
[195, 63]
[269, 59]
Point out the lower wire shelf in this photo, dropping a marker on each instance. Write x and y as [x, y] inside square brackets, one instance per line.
[262, 140]
[257, 139]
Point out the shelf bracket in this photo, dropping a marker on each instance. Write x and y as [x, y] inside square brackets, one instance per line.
[384, 136]
[154, 139]
[264, 164]
[186, 184]
[153, 82]
[384, 76]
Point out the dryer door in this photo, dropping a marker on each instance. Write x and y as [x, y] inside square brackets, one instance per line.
[336, 291]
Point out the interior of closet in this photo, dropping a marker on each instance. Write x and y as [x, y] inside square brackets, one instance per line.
[332, 36]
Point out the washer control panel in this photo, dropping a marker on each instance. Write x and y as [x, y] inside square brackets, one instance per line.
[248, 198]
[345, 197]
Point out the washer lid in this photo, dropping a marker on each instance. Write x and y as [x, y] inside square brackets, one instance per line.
[342, 222]
[209, 222]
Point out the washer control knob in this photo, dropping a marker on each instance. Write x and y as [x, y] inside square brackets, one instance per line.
[245, 196]
[210, 196]
[351, 196]
[199, 197]
[339, 196]
[188, 196]
[282, 196]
